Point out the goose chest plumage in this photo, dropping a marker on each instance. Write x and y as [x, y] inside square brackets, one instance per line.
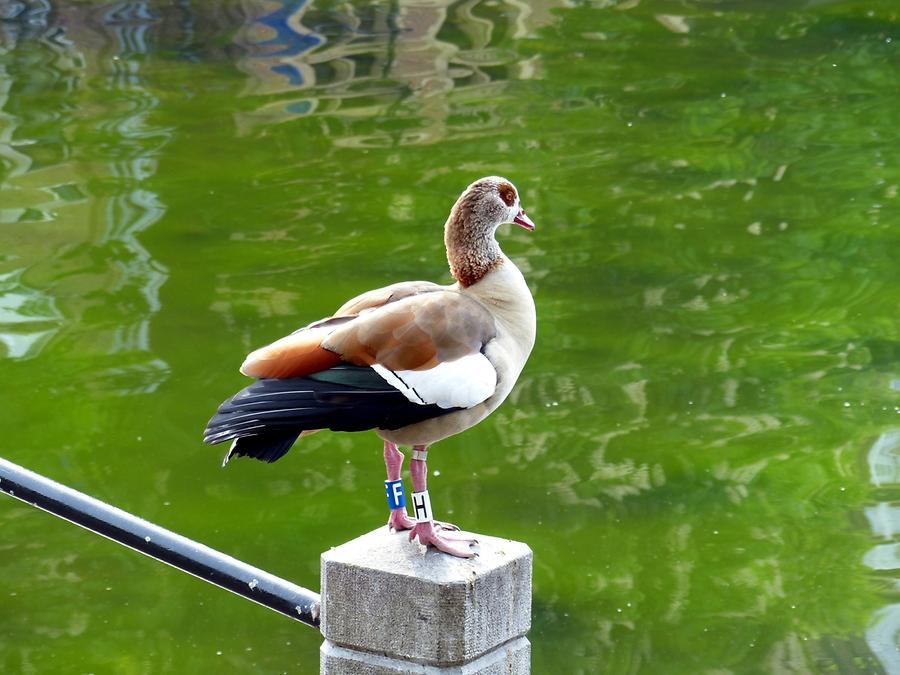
[415, 361]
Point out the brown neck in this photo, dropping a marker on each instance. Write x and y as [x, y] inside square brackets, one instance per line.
[472, 250]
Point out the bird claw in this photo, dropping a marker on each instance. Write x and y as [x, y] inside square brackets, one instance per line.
[457, 535]
[399, 521]
[430, 533]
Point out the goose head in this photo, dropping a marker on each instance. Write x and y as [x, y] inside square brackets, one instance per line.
[470, 231]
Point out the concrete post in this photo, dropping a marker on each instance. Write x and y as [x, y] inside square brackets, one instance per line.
[389, 607]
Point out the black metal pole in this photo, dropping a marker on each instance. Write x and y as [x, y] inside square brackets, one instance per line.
[189, 556]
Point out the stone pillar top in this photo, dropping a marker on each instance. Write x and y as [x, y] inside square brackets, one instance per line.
[383, 594]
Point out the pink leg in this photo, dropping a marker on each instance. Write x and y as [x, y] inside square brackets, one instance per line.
[430, 532]
[393, 460]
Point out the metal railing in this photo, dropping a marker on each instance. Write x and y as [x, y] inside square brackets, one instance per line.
[205, 563]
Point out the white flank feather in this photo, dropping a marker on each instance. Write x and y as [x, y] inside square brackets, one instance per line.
[462, 383]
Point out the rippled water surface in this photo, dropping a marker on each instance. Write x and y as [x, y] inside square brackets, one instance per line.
[704, 450]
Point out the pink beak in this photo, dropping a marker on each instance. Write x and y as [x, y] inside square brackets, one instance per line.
[523, 220]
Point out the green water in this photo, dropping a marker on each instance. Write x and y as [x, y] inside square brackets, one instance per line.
[704, 449]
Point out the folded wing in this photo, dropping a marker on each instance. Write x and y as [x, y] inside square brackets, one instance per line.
[428, 345]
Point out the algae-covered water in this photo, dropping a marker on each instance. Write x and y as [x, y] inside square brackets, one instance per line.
[704, 449]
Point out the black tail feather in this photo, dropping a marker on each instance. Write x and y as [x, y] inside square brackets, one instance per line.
[265, 419]
[264, 447]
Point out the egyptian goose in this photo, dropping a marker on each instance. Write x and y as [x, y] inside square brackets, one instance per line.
[415, 361]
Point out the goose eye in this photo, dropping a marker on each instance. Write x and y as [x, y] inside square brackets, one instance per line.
[507, 193]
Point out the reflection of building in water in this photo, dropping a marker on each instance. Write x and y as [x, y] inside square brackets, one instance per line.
[884, 459]
[79, 270]
[394, 61]
[883, 635]
[28, 317]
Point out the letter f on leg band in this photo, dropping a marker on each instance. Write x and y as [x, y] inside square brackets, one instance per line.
[396, 496]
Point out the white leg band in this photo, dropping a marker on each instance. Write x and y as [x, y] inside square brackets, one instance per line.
[421, 504]
[421, 455]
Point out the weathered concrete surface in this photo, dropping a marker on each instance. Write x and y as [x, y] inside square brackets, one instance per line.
[513, 658]
[384, 595]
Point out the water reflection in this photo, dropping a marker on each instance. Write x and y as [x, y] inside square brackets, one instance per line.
[22, 19]
[883, 634]
[99, 267]
[28, 317]
[392, 62]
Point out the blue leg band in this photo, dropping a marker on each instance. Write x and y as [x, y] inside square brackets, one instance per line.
[396, 496]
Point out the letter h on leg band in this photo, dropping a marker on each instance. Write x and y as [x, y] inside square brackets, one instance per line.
[396, 497]
[421, 503]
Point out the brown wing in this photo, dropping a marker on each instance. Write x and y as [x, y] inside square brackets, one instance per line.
[297, 354]
[303, 352]
[382, 296]
[416, 332]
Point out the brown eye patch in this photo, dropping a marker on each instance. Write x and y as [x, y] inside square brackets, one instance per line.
[507, 193]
